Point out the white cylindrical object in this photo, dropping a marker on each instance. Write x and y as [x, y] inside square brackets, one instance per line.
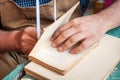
[38, 18]
[55, 12]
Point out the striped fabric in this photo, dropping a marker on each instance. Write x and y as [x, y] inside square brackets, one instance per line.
[30, 3]
[84, 5]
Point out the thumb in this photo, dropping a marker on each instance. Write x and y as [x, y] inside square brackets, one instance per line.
[31, 31]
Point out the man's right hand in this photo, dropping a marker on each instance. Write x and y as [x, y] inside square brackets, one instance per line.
[23, 40]
[26, 39]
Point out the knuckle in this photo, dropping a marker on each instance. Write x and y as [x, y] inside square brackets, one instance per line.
[65, 46]
[22, 38]
[59, 30]
[76, 27]
[27, 29]
[72, 39]
[63, 35]
[73, 21]
[82, 28]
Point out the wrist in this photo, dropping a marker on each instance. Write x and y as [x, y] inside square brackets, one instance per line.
[103, 22]
[14, 37]
[110, 16]
[8, 41]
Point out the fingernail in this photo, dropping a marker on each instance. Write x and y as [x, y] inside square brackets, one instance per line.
[73, 52]
[53, 45]
[60, 49]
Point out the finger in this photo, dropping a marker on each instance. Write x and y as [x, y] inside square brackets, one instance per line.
[83, 46]
[31, 31]
[27, 49]
[64, 36]
[60, 30]
[28, 39]
[73, 40]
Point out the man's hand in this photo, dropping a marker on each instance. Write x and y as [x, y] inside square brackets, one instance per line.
[85, 31]
[78, 34]
[27, 39]
[23, 40]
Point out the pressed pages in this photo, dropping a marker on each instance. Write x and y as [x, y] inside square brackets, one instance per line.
[95, 66]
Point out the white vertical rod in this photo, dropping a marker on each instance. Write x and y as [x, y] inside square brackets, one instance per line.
[38, 18]
[55, 13]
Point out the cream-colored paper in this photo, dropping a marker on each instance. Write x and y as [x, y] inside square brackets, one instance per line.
[49, 57]
[95, 66]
